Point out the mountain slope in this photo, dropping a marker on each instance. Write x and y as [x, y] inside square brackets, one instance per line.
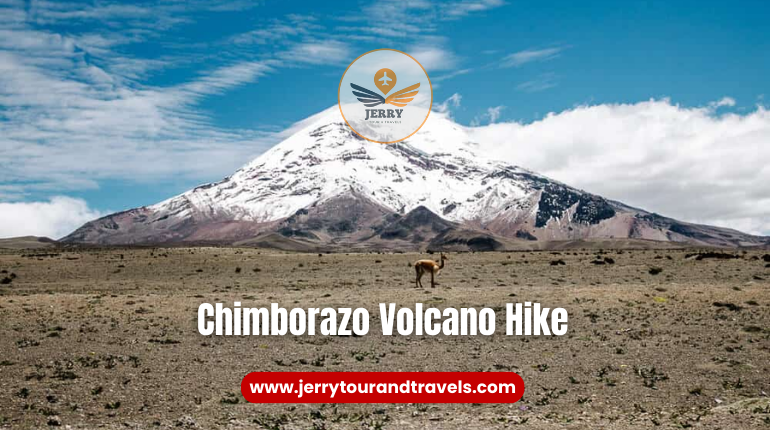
[27, 242]
[326, 187]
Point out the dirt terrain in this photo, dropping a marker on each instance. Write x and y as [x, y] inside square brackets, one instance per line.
[657, 338]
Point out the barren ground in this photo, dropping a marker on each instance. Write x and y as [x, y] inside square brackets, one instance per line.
[108, 338]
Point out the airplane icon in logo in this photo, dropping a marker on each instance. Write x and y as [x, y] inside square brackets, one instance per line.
[385, 79]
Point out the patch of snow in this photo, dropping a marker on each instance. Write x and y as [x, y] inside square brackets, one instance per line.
[438, 168]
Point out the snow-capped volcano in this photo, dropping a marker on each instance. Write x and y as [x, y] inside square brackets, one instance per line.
[438, 169]
[325, 186]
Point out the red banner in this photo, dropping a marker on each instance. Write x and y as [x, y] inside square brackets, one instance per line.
[382, 387]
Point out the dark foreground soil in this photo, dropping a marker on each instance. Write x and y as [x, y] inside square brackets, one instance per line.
[657, 339]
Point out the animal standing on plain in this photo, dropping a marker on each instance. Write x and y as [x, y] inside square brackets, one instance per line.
[423, 266]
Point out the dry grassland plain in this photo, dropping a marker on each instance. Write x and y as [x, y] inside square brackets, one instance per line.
[107, 338]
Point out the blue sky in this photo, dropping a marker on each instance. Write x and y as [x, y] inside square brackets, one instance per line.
[126, 104]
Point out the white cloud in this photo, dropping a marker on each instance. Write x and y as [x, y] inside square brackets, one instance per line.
[154, 16]
[63, 124]
[688, 163]
[724, 102]
[521, 58]
[462, 8]
[74, 111]
[490, 116]
[279, 31]
[401, 19]
[541, 83]
[318, 52]
[434, 57]
[447, 105]
[55, 218]
[396, 18]
[225, 78]
[494, 113]
[451, 75]
[75, 108]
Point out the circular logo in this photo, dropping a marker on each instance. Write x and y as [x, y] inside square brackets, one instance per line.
[385, 96]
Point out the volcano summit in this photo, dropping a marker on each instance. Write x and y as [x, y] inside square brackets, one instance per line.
[325, 188]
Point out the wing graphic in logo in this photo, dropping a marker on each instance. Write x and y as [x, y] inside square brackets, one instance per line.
[368, 97]
[400, 98]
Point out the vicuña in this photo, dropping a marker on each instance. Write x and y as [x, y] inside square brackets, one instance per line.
[428, 266]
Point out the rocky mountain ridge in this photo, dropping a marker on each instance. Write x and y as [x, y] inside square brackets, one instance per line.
[326, 188]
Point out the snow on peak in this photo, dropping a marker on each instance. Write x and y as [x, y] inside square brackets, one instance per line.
[321, 157]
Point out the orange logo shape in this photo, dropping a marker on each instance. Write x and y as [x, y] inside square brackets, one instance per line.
[385, 79]
[391, 114]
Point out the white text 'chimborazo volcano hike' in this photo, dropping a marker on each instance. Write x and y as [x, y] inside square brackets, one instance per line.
[325, 188]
